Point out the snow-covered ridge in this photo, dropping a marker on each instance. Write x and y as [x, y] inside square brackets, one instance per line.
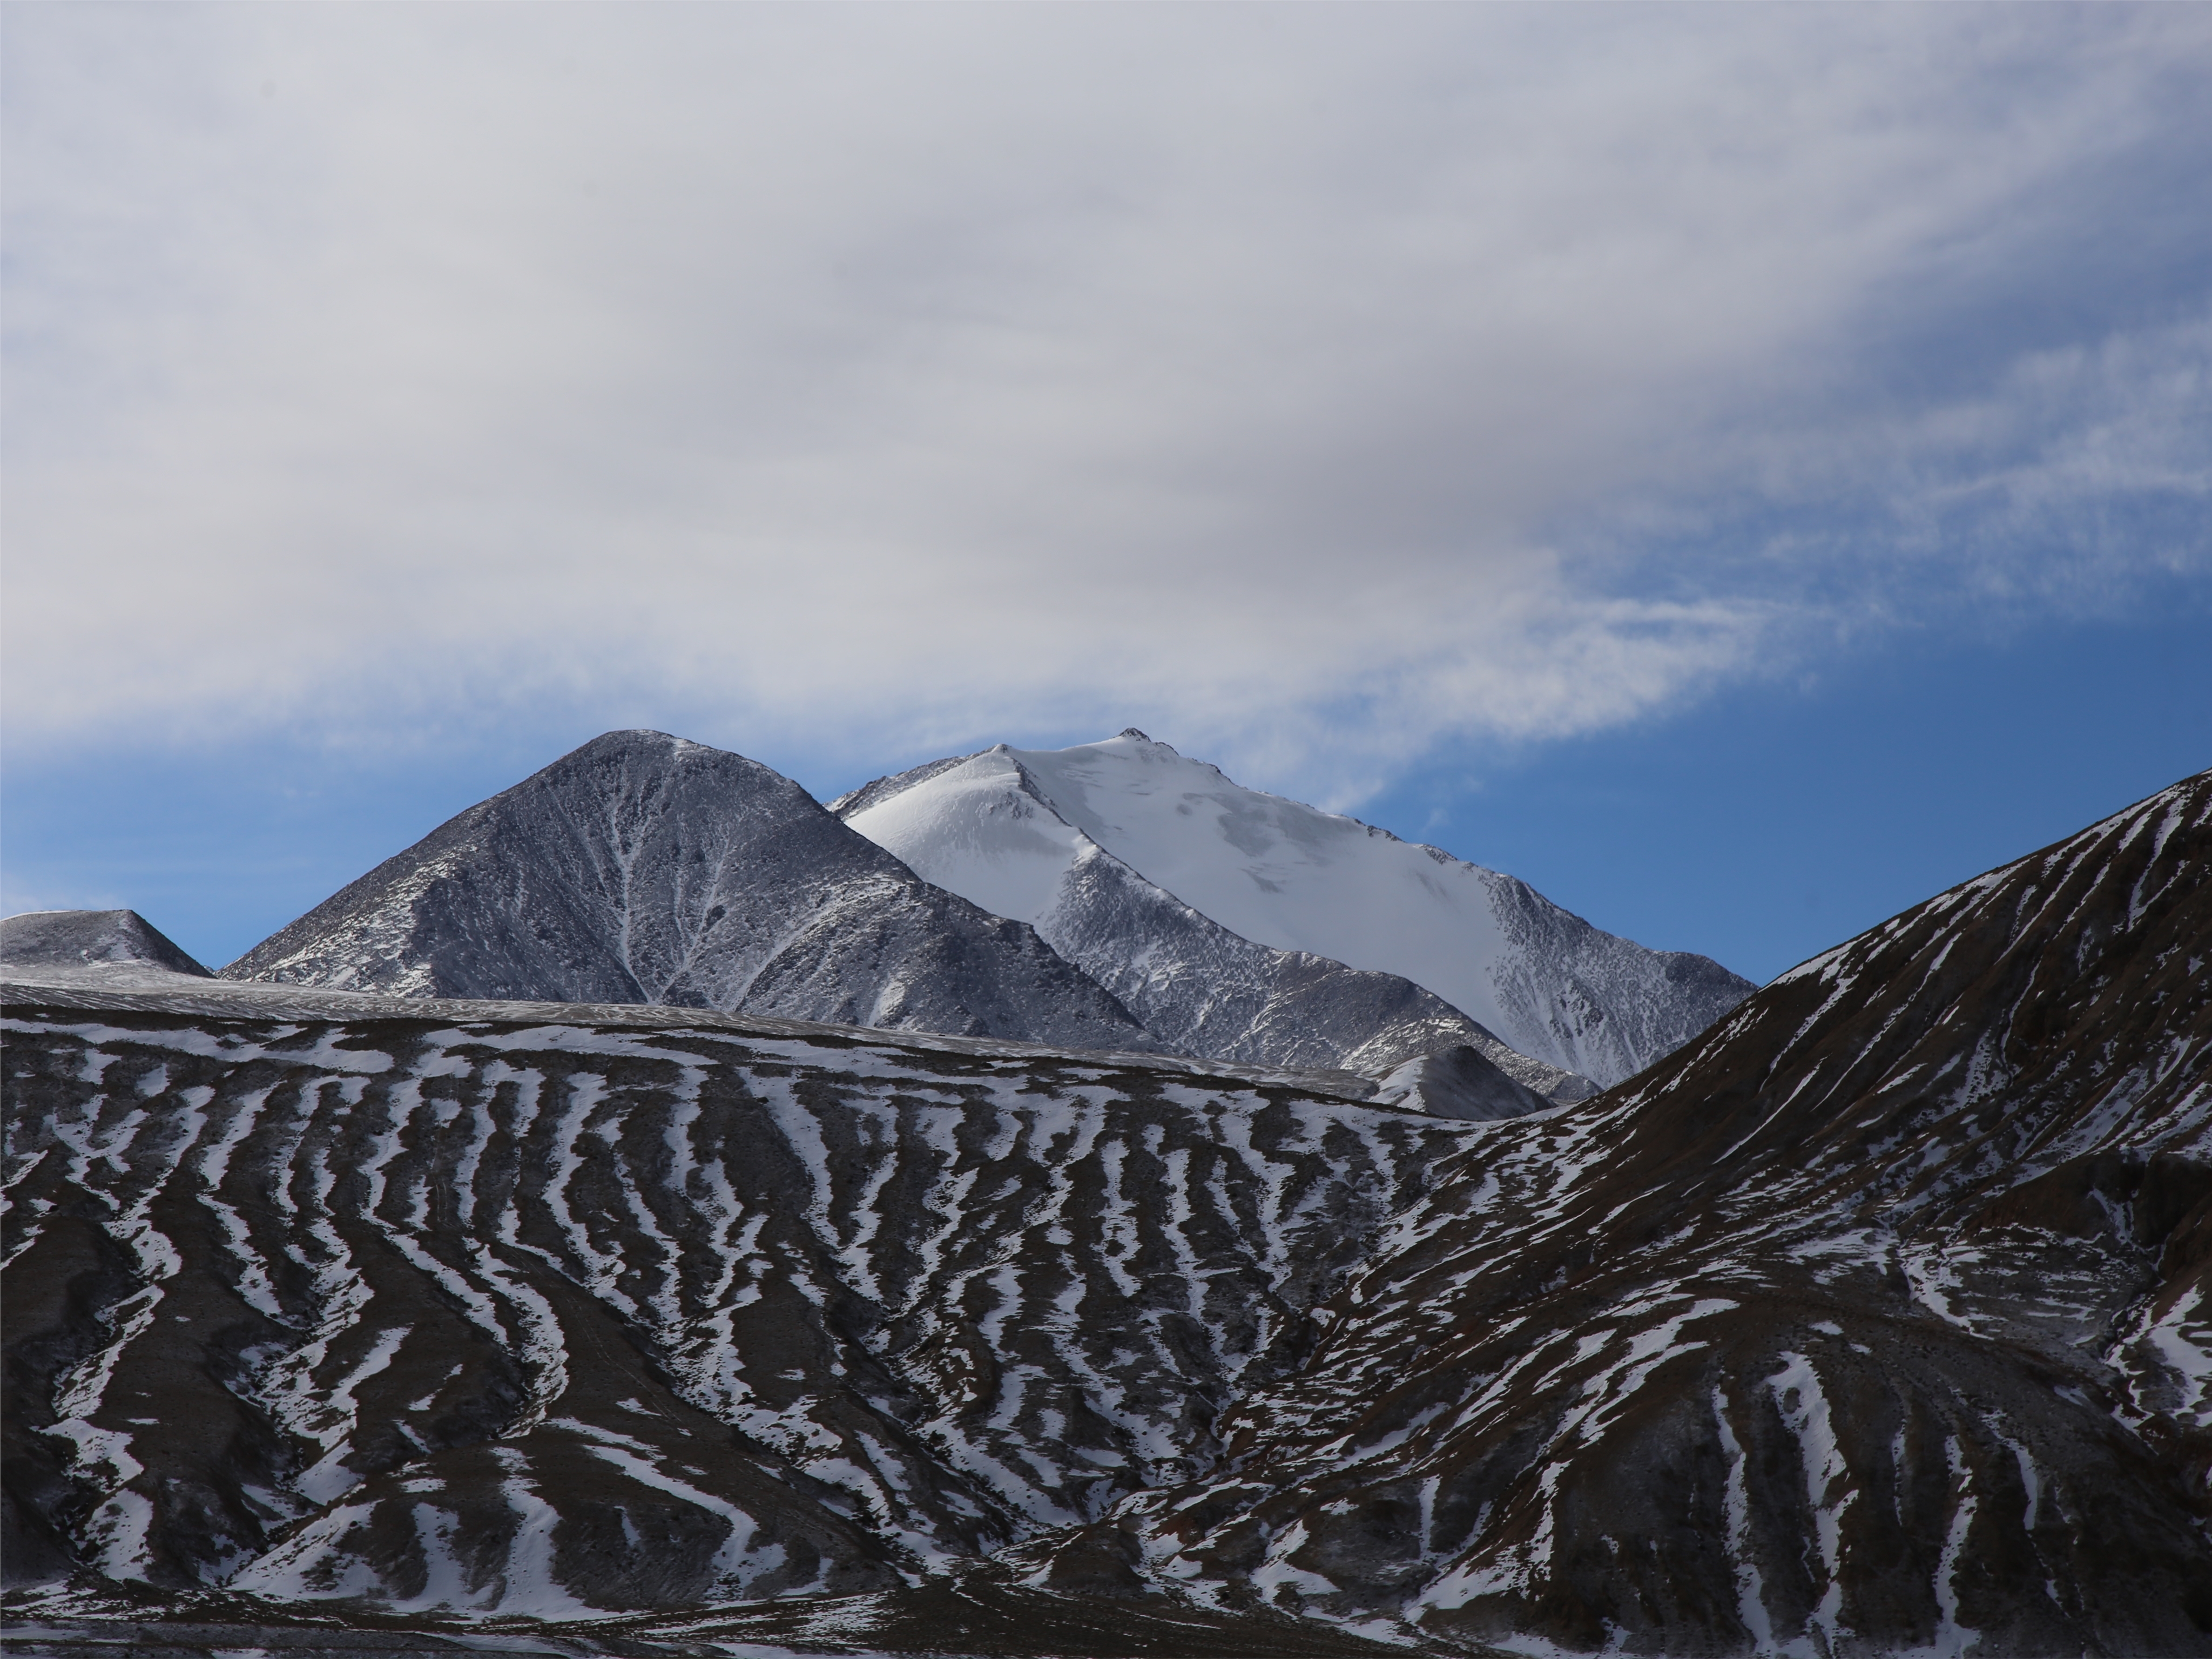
[982, 828]
[1012, 829]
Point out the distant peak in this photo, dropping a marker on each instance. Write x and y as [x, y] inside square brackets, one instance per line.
[643, 742]
[68, 937]
[1148, 741]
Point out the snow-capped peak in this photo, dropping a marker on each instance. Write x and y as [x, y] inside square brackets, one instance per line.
[995, 828]
[978, 830]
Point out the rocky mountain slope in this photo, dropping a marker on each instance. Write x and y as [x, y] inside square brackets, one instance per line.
[644, 868]
[983, 828]
[1158, 876]
[1878, 1319]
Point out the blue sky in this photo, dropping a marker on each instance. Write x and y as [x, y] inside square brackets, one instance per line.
[1759, 826]
[1741, 470]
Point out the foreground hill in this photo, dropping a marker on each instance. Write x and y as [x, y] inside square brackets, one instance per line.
[643, 868]
[1198, 900]
[494, 1309]
[1878, 1320]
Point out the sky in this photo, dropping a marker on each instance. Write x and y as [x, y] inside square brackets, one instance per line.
[1741, 469]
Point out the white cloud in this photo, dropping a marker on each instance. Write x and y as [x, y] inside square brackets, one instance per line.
[1314, 381]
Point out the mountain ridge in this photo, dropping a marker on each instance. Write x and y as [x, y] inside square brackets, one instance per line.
[647, 868]
[1195, 985]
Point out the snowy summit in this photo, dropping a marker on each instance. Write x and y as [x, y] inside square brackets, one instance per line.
[1018, 831]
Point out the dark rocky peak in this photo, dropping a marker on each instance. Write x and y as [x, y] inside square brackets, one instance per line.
[645, 868]
[78, 939]
[2053, 1008]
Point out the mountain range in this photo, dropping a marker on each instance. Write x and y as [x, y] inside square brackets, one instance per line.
[1875, 1320]
[1000, 895]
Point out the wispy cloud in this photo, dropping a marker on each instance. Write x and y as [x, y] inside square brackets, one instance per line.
[1318, 382]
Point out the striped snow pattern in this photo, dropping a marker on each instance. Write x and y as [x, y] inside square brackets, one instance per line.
[529, 1318]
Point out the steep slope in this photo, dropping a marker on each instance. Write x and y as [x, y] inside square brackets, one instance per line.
[496, 1308]
[982, 828]
[643, 868]
[113, 947]
[1290, 877]
[1878, 1319]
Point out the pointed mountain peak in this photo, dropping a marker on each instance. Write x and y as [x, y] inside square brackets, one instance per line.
[1285, 876]
[1130, 734]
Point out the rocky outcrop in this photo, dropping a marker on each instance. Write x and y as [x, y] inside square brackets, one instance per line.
[117, 947]
[1462, 1083]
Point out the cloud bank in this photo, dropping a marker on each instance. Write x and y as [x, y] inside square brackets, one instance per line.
[1318, 383]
